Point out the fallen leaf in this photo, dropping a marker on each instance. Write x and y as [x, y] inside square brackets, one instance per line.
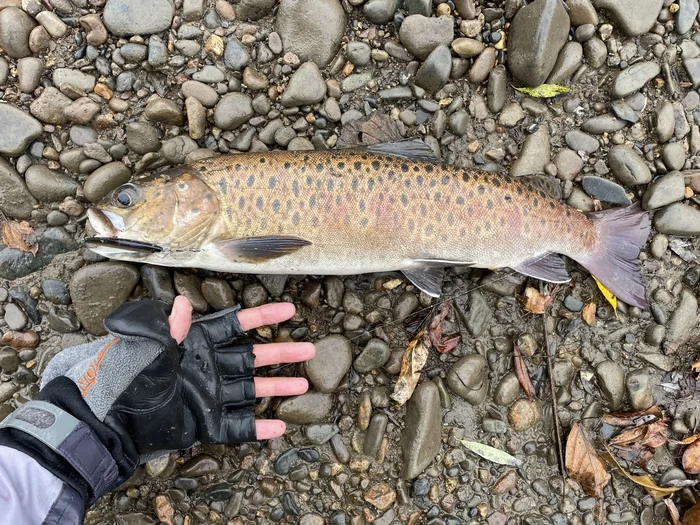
[534, 302]
[688, 440]
[442, 344]
[413, 361]
[691, 458]
[650, 435]
[692, 516]
[584, 465]
[608, 295]
[673, 511]
[627, 419]
[522, 373]
[588, 314]
[544, 90]
[20, 236]
[492, 454]
[376, 128]
[628, 436]
[164, 510]
[645, 481]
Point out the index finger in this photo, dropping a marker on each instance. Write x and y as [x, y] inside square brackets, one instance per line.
[264, 315]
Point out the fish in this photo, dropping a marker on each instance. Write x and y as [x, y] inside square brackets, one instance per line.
[381, 208]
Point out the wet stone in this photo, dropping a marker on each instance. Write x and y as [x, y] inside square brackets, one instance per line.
[330, 364]
[25, 129]
[312, 407]
[105, 179]
[133, 17]
[605, 190]
[687, 12]
[158, 283]
[479, 314]
[435, 71]
[200, 465]
[611, 379]
[421, 436]
[628, 167]
[53, 241]
[55, 291]
[254, 295]
[524, 414]
[421, 34]
[286, 461]
[49, 186]
[321, 433]
[274, 283]
[373, 356]
[639, 389]
[142, 138]
[218, 293]
[15, 317]
[507, 390]
[468, 378]
[678, 219]
[634, 78]
[665, 190]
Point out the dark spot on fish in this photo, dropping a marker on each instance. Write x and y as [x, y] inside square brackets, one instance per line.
[443, 167]
[319, 167]
[423, 210]
[251, 181]
[259, 203]
[312, 202]
[580, 235]
[290, 205]
[404, 199]
[362, 205]
[535, 203]
[365, 156]
[489, 204]
[543, 194]
[519, 190]
[529, 187]
[419, 180]
[241, 202]
[381, 197]
[376, 165]
[428, 169]
[357, 165]
[272, 182]
[263, 223]
[543, 221]
[551, 204]
[459, 200]
[445, 179]
[276, 205]
[568, 213]
[355, 183]
[429, 229]
[433, 183]
[229, 213]
[295, 188]
[407, 183]
[314, 221]
[370, 184]
[223, 187]
[471, 194]
[568, 228]
[404, 168]
[330, 184]
[201, 169]
[486, 179]
[364, 221]
[338, 200]
[237, 167]
[391, 175]
[306, 158]
[481, 190]
[508, 198]
[438, 196]
[341, 165]
[502, 221]
[262, 160]
[470, 211]
[411, 225]
[249, 222]
[497, 183]
[416, 169]
[287, 165]
[450, 219]
[309, 181]
[295, 218]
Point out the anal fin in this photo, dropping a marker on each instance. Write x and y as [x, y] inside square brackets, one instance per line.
[427, 279]
[261, 248]
[547, 267]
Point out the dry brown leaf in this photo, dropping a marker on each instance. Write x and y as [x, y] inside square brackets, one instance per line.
[628, 419]
[645, 481]
[673, 511]
[691, 458]
[692, 516]
[588, 314]
[628, 436]
[522, 373]
[442, 344]
[413, 361]
[583, 463]
[650, 435]
[534, 302]
[687, 441]
[20, 236]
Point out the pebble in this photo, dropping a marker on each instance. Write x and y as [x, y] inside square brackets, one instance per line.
[639, 390]
[96, 33]
[537, 34]
[25, 129]
[611, 379]
[233, 110]
[534, 155]
[236, 55]
[511, 115]
[582, 12]
[481, 69]
[218, 293]
[687, 12]
[98, 289]
[678, 219]
[507, 390]
[358, 53]
[52, 23]
[15, 26]
[373, 356]
[469, 378]
[15, 199]
[15, 317]
[524, 414]
[48, 185]
[56, 291]
[374, 435]
[633, 17]
[380, 11]
[29, 71]
[421, 34]
[420, 440]
[164, 111]
[569, 164]
[467, 47]
[434, 73]
[627, 166]
[479, 314]
[665, 190]
[142, 138]
[320, 433]
[497, 88]
[306, 86]
[602, 124]
[330, 364]
[200, 465]
[382, 496]
[605, 190]
[312, 407]
[673, 156]
[568, 62]
[634, 78]
[49, 106]
[134, 17]
[105, 179]
[682, 321]
[311, 29]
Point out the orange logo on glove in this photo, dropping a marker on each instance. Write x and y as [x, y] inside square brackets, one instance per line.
[90, 375]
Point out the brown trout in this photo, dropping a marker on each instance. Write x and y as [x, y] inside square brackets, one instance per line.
[342, 212]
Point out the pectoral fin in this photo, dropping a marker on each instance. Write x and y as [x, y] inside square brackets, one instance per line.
[262, 248]
[548, 267]
[427, 279]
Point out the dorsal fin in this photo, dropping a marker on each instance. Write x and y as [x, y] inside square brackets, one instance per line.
[550, 185]
[413, 149]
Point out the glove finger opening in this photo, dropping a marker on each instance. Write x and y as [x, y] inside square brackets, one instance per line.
[236, 361]
[238, 426]
[238, 393]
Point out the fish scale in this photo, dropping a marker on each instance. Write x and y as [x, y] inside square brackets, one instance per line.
[341, 212]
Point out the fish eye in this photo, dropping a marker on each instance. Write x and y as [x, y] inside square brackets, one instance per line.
[126, 195]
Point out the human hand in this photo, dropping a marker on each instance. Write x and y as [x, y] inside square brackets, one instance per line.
[180, 320]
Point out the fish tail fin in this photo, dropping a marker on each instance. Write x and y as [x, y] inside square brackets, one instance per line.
[621, 234]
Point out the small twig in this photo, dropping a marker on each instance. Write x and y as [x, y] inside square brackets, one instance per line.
[555, 407]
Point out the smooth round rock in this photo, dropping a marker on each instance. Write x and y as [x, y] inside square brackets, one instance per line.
[468, 378]
[374, 355]
[330, 364]
[627, 166]
[48, 185]
[524, 414]
[312, 407]
[306, 86]
[25, 129]
[135, 17]
[421, 34]
[105, 179]
[634, 78]
[233, 110]
[665, 190]
[15, 27]
[420, 440]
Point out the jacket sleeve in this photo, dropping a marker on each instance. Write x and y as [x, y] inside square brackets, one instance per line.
[31, 495]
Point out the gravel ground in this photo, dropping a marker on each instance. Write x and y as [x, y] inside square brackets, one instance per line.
[96, 92]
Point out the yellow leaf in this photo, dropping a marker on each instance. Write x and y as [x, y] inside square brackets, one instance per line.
[20, 236]
[545, 90]
[645, 481]
[608, 295]
[413, 361]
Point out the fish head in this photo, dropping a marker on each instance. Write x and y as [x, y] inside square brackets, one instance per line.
[167, 215]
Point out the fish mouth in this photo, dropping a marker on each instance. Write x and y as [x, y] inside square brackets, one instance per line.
[108, 226]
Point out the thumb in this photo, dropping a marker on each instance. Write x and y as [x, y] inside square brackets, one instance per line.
[180, 318]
